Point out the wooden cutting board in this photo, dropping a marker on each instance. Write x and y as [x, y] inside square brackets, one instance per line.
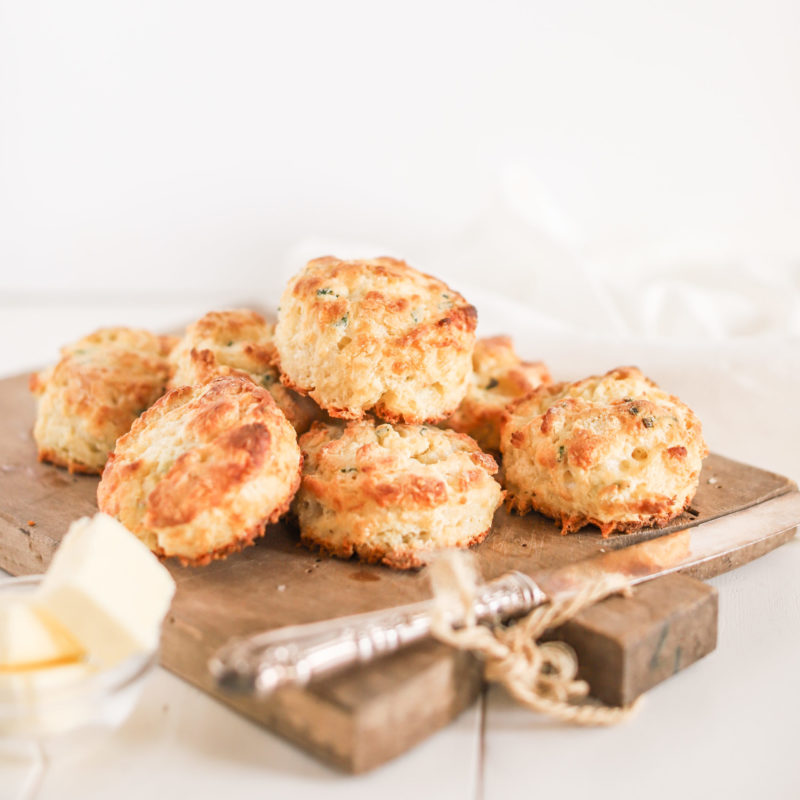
[363, 718]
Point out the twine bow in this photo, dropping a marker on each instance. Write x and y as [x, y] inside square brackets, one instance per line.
[539, 675]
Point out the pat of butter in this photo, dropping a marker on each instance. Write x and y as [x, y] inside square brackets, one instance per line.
[107, 589]
[29, 639]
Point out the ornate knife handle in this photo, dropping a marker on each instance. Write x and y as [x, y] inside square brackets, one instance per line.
[295, 655]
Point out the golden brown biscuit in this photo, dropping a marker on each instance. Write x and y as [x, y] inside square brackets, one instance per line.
[203, 470]
[95, 392]
[614, 451]
[498, 377]
[375, 335]
[238, 343]
[393, 494]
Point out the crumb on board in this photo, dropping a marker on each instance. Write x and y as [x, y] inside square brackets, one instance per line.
[31, 522]
[712, 481]
[282, 587]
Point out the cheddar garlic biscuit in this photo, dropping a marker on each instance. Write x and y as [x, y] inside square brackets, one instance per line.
[393, 494]
[614, 451]
[203, 470]
[238, 343]
[95, 392]
[498, 377]
[375, 335]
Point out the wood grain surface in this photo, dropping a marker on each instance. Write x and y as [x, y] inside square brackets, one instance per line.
[364, 717]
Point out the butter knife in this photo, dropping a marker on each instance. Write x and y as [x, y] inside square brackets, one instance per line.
[298, 654]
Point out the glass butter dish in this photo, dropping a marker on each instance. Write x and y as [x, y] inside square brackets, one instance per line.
[60, 709]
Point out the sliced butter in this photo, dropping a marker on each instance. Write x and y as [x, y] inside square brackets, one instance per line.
[107, 589]
[30, 639]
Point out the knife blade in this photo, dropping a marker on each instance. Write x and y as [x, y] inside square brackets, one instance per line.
[298, 654]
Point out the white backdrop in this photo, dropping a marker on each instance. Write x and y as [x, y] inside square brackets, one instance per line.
[187, 146]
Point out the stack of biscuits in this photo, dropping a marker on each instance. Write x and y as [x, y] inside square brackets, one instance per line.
[370, 412]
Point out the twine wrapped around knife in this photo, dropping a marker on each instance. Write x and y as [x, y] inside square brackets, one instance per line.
[538, 675]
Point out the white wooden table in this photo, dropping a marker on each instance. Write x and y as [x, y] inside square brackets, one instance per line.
[726, 727]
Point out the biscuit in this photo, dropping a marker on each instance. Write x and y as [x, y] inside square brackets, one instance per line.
[95, 392]
[203, 470]
[498, 377]
[238, 343]
[375, 335]
[613, 450]
[393, 493]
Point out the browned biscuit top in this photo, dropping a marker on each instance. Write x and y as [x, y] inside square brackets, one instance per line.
[393, 493]
[613, 450]
[375, 335]
[225, 343]
[92, 395]
[365, 463]
[240, 343]
[203, 470]
[499, 376]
